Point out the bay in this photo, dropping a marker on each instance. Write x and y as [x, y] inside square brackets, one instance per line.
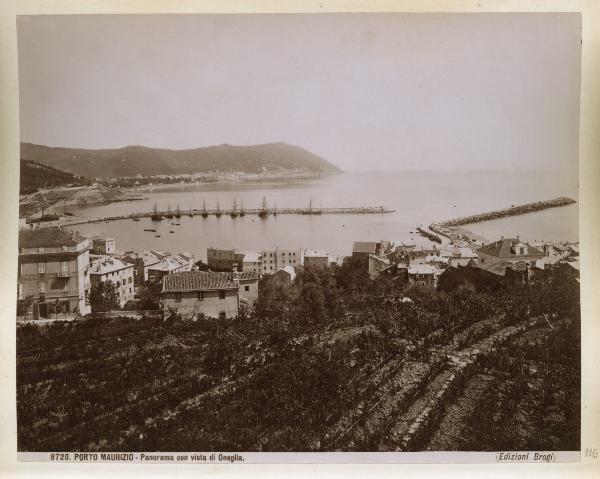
[418, 197]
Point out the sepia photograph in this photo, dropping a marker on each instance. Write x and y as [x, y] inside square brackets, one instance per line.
[298, 233]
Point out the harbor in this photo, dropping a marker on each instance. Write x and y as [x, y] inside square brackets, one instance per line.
[218, 212]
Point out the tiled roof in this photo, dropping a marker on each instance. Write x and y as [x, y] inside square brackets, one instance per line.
[198, 281]
[503, 249]
[246, 276]
[364, 247]
[421, 269]
[46, 237]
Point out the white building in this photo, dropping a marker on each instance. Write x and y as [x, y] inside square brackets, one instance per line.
[121, 274]
[252, 262]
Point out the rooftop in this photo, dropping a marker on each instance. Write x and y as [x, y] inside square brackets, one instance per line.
[47, 237]
[198, 281]
[365, 247]
[419, 268]
[252, 257]
[503, 248]
[107, 264]
[315, 253]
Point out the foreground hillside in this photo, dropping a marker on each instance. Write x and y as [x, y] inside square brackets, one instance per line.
[134, 160]
[336, 362]
[35, 176]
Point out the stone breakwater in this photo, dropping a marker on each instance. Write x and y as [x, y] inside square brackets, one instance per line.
[512, 211]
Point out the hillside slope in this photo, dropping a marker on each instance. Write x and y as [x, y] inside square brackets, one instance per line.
[133, 160]
[35, 175]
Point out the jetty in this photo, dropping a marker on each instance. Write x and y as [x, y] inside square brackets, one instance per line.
[512, 211]
[429, 235]
[449, 229]
[205, 212]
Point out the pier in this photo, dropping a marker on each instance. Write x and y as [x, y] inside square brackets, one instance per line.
[512, 211]
[450, 229]
[260, 212]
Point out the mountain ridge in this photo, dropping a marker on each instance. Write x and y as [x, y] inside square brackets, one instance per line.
[132, 160]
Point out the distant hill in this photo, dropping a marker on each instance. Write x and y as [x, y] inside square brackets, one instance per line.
[35, 175]
[134, 160]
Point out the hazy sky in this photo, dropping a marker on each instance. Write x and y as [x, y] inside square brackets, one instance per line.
[364, 91]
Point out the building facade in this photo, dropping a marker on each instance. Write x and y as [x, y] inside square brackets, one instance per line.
[104, 246]
[274, 260]
[316, 258]
[119, 273]
[201, 294]
[223, 259]
[508, 250]
[175, 263]
[54, 272]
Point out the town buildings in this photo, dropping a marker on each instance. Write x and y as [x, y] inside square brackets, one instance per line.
[376, 248]
[274, 260]
[316, 258]
[252, 263]
[153, 265]
[223, 259]
[119, 273]
[200, 294]
[508, 250]
[143, 262]
[422, 274]
[174, 263]
[101, 245]
[247, 282]
[54, 271]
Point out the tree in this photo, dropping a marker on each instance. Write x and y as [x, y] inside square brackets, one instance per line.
[149, 295]
[23, 305]
[103, 297]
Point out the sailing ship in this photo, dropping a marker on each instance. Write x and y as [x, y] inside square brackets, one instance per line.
[218, 212]
[310, 210]
[275, 209]
[190, 214]
[263, 213]
[155, 216]
[204, 212]
[242, 212]
[177, 212]
[234, 212]
[169, 213]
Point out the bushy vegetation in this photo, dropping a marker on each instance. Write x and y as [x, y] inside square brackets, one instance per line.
[314, 361]
[35, 175]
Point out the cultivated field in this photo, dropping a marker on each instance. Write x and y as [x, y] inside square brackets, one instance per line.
[340, 367]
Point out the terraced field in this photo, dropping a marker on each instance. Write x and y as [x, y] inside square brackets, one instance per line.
[390, 377]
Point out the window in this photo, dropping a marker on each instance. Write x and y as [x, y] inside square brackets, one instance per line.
[246, 288]
[178, 297]
[42, 286]
[41, 268]
[222, 315]
[64, 267]
[222, 294]
[130, 278]
[200, 295]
